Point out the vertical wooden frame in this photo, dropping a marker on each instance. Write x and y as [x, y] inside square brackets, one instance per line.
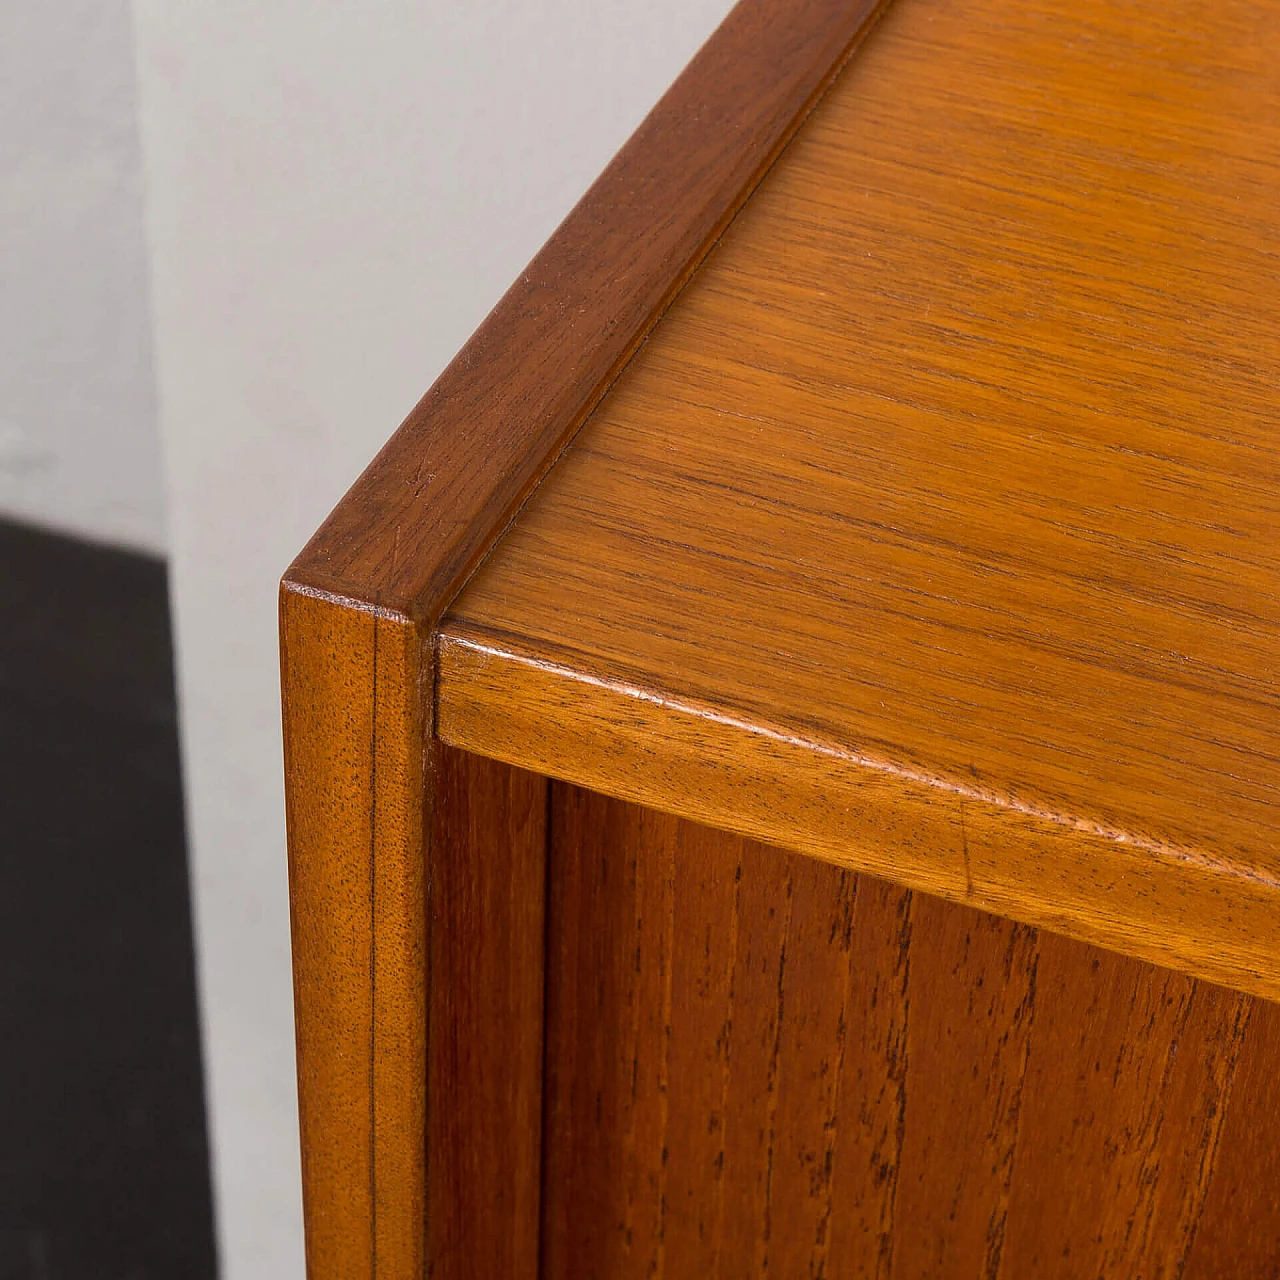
[418, 877]
[355, 716]
[414, 877]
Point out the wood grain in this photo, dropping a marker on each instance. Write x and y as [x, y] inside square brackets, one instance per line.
[936, 528]
[353, 753]
[1110, 1032]
[486, 943]
[974, 980]
[419, 999]
[760, 1064]
[358, 609]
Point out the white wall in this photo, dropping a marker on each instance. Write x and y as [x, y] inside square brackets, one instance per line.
[79, 446]
[336, 195]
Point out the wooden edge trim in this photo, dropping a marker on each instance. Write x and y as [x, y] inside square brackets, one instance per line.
[359, 605]
[357, 799]
[1172, 907]
[432, 502]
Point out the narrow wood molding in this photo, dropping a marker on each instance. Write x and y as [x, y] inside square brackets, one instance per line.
[359, 606]
[1170, 906]
[357, 804]
[431, 503]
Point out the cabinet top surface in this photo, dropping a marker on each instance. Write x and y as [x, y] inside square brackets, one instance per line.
[959, 452]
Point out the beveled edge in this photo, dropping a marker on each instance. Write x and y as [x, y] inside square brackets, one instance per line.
[429, 506]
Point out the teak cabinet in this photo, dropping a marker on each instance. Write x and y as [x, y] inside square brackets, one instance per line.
[783, 744]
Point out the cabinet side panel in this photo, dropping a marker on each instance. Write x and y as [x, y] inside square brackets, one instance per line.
[1240, 1233]
[354, 734]
[1132, 1066]
[759, 1063]
[610, 905]
[487, 930]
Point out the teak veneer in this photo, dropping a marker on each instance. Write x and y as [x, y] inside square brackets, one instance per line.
[826, 823]
[937, 526]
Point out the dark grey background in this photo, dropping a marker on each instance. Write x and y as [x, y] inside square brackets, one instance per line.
[103, 1159]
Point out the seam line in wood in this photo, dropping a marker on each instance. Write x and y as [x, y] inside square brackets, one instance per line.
[373, 967]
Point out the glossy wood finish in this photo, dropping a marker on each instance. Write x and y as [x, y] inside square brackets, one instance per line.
[358, 608]
[760, 1064]
[354, 738]
[421, 1051]
[935, 530]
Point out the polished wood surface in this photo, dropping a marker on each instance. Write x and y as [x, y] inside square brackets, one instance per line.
[935, 529]
[386, 1143]
[761, 1064]
[353, 741]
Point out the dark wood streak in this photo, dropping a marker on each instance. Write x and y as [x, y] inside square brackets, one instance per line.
[1120, 1049]
[664, 1084]
[724, 1048]
[771, 1085]
[968, 1030]
[1238, 1233]
[872, 1138]
[840, 942]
